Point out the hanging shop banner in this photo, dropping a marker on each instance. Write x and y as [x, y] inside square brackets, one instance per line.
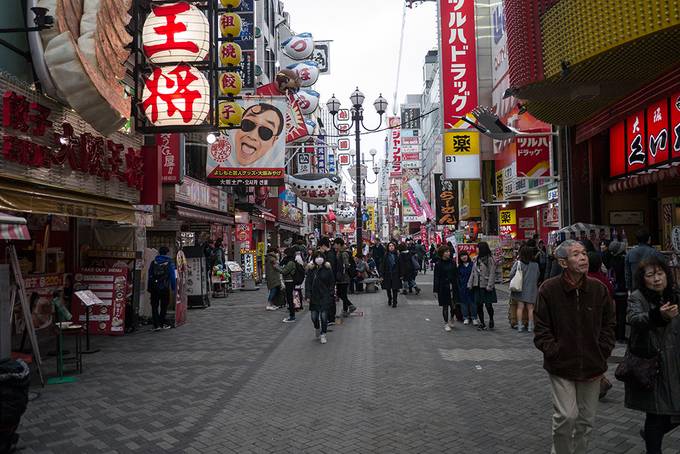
[394, 145]
[254, 154]
[370, 224]
[658, 135]
[171, 150]
[420, 196]
[462, 156]
[446, 197]
[249, 263]
[331, 161]
[458, 60]
[321, 55]
[304, 164]
[244, 235]
[533, 156]
[110, 286]
[321, 155]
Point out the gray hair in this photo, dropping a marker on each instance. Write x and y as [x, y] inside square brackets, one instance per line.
[562, 251]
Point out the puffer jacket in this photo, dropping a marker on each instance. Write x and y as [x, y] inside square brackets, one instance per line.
[319, 286]
[271, 270]
[483, 274]
[651, 333]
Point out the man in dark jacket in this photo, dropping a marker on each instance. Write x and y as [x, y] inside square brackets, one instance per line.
[638, 254]
[329, 256]
[408, 264]
[161, 281]
[575, 331]
[378, 253]
[342, 275]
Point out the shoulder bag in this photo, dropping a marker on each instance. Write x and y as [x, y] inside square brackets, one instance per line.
[516, 281]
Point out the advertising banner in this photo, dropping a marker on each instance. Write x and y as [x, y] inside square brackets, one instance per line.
[110, 286]
[254, 154]
[171, 150]
[322, 55]
[410, 116]
[395, 146]
[370, 224]
[244, 235]
[321, 156]
[331, 161]
[446, 198]
[462, 156]
[533, 156]
[304, 163]
[420, 196]
[458, 53]
[508, 223]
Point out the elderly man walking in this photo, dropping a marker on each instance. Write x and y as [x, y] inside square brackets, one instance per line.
[575, 331]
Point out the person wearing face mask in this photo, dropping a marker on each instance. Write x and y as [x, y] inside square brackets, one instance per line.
[655, 332]
[390, 273]
[319, 293]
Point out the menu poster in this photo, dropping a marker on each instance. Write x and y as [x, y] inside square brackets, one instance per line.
[110, 286]
[39, 290]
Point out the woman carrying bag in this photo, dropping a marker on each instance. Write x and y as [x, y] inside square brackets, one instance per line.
[483, 284]
[651, 367]
[524, 278]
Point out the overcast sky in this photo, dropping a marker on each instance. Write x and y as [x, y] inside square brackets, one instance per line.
[365, 49]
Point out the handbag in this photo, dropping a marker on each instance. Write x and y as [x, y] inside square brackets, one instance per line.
[516, 281]
[638, 371]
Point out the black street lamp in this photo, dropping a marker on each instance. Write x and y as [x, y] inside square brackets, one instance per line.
[357, 99]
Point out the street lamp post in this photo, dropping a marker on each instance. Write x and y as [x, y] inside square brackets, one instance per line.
[357, 99]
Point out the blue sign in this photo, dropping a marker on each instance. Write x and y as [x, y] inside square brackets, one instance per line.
[331, 162]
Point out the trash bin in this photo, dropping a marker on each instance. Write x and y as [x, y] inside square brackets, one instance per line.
[14, 380]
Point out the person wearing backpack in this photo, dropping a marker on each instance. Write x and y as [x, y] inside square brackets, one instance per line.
[162, 280]
[293, 274]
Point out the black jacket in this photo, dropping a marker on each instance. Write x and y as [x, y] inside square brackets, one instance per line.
[391, 277]
[446, 277]
[407, 270]
[319, 286]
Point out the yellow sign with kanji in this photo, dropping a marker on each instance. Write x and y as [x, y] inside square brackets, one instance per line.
[507, 217]
[370, 224]
[462, 156]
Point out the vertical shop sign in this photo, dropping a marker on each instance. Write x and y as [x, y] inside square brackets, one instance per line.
[331, 161]
[321, 155]
[462, 156]
[533, 156]
[617, 150]
[508, 223]
[675, 125]
[446, 195]
[304, 163]
[635, 141]
[458, 59]
[658, 135]
[170, 148]
[395, 145]
[244, 235]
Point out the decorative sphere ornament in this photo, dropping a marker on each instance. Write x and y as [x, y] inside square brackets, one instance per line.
[230, 25]
[230, 54]
[230, 114]
[231, 3]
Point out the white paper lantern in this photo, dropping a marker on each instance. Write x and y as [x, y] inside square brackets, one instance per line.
[308, 100]
[176, 32]
[315, 188]
[299, 47]
[308, 71]
[176, 96]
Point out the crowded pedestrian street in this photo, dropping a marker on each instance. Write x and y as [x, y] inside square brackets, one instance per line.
[389, 380]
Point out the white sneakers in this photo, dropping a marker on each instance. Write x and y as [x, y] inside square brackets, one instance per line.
[270, 308]
[466, 322]
[475, 322]
[447, 327]
[323, 339]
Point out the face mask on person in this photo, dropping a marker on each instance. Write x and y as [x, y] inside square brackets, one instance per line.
[318, 261]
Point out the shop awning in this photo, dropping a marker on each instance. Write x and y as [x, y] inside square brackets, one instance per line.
[13, 228]
[33, 198]
[288, 227]
[206, 216]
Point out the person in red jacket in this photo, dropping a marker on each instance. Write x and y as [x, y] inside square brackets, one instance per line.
[575, 331]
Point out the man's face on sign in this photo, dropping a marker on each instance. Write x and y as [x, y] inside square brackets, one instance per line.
[259, 132]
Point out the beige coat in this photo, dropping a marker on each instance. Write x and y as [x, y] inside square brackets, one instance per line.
[483, 274]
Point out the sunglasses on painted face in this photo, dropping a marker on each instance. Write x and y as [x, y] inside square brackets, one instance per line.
[264, 132]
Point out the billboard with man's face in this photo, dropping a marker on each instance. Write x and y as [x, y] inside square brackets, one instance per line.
[254, 154]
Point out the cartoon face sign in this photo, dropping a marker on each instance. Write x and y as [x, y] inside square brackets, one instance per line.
[260, 129]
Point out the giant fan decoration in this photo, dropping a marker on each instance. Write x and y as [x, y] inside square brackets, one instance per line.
[315, 188]
[345, 215]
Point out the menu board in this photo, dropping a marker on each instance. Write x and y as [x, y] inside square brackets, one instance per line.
[39, 290]
[110, 286]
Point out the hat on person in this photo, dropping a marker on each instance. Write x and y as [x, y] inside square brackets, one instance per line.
[616, 247]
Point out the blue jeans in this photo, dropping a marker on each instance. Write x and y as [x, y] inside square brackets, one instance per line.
[272, 294]
[469, 309]
[409, 284]
[320, 316]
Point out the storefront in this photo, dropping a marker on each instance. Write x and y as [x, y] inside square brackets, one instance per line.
[79, 193]
[288, 225]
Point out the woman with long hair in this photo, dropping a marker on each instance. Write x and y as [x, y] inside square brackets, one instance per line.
[446, 285]
[655, 332]
[483, 284]
[529, 293]
[390, 273]
[465, 296]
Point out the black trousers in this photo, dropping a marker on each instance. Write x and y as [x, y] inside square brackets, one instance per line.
[159, 300]
[342, 294]
[656, 426]
[446, 310]
[290, 290]
[621, 308]
[480, 312]
[392, 294]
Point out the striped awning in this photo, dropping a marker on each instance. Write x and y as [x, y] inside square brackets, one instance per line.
[13, 228]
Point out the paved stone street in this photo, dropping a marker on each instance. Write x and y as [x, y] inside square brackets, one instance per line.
[237, 380]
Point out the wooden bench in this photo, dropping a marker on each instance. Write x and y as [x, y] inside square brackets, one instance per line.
[370, 284]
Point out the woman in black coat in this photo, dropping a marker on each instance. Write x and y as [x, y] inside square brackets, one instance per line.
[390, 272]
[319, 293]
[446, 285]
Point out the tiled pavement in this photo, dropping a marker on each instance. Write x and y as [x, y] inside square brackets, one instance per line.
[237, 380]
